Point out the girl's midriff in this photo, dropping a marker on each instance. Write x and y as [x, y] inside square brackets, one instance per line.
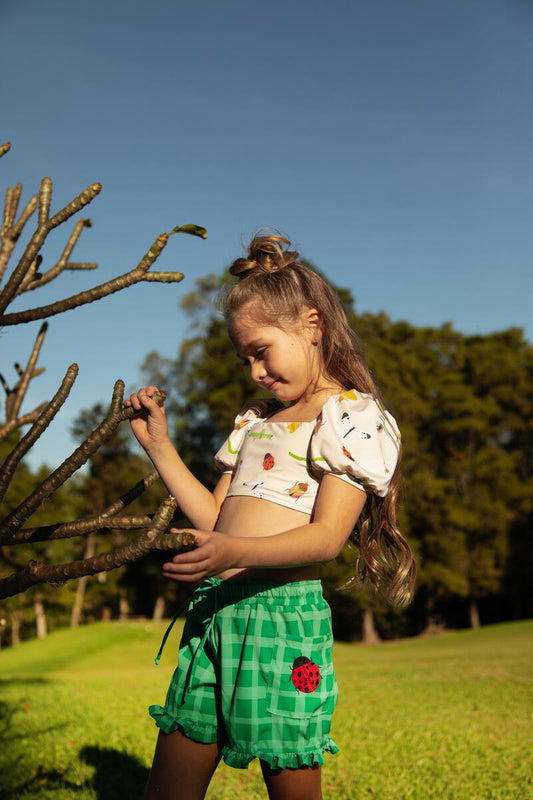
[251, 516]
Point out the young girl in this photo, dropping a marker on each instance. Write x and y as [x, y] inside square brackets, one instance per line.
[255, 677]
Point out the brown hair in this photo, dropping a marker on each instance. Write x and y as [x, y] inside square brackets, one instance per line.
[285, 287]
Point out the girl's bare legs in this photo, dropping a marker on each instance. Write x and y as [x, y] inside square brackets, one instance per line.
[293, 784]
[182, 768]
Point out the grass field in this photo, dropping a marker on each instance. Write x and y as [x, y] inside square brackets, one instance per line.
[446, 717]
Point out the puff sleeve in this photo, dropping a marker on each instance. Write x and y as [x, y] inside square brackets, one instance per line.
[357, 440]
[227, 455]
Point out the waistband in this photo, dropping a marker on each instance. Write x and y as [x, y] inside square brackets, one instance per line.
[257, 591]
[222, 592]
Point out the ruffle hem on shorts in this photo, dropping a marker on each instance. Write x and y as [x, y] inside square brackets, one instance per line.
[240, 759]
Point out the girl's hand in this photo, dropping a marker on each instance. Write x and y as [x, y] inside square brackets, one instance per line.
[150, 428]
[214, 553]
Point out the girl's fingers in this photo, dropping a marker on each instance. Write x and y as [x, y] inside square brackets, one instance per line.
[186, 570]
[142, 397]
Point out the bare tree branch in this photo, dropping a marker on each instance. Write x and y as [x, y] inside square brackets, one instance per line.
[82, 298]
[37, 240]
[25, 419]
[28, 373]
[38, 427]
[154, 539]
[45, 198]
[24, 217]
[79, 265]
[116, 414]
[25, 277]
[62, 262]
[79, 527]
[106, 519]
[11, 231]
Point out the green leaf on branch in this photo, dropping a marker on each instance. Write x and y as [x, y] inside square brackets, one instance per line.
[193, 230]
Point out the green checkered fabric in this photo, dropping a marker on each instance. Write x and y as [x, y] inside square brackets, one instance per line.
[237, 682]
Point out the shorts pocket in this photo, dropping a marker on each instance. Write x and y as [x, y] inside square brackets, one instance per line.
[301, 680]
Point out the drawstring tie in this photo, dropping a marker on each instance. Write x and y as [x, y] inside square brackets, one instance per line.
[206, 589]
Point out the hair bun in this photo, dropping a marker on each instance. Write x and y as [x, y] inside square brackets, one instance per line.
[268, 253]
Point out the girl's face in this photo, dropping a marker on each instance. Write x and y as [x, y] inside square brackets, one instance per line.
[283, 362]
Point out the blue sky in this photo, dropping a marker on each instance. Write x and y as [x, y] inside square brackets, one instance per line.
[390, 139]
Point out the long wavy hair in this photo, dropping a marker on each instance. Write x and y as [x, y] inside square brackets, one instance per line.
[271, 272]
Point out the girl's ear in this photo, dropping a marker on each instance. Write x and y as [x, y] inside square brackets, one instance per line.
[312, 319]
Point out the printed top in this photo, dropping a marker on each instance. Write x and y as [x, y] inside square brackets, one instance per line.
[353, 438]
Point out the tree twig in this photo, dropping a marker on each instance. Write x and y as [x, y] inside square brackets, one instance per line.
[25, 419]
[89, 296]
[28, 373]
[36, 430]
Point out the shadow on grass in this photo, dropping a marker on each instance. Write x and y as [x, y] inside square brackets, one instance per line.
[116, 774]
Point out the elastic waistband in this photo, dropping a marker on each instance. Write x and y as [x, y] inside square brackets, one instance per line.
[231, 591]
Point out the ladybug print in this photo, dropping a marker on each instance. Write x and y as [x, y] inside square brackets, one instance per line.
[305, 674]
[268, 461]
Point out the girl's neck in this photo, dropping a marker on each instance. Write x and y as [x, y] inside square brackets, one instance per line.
[308, 407]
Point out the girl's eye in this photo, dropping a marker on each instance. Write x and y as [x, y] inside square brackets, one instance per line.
[260, 353]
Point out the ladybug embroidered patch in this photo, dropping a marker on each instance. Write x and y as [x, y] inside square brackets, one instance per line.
[305, 674]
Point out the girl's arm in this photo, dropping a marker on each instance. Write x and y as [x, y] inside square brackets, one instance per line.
[197, 503]
[337, 509]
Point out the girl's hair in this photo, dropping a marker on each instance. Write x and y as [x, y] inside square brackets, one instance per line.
[285, 288]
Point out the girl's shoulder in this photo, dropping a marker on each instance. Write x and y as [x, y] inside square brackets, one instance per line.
[356, 438]
[351, 399]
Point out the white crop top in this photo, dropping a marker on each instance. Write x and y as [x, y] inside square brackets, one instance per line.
[353, 438]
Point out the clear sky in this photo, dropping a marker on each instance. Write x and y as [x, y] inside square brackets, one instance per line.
[391, 140]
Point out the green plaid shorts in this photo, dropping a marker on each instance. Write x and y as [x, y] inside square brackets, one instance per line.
[255, 674]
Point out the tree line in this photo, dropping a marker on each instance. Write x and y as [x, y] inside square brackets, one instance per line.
[464, 404]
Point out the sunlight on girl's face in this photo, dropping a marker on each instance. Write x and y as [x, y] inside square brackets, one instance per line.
[284, 362]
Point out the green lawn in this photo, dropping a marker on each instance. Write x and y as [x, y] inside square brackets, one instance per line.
[446, 717]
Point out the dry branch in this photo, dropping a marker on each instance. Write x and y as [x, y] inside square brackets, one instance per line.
[62, 263]
[37, 241]
[25, 419]
[106, 519]
[154, 539]
[25, 277]
[38, 427]
[116, 414]
[97, 292]
[27, 374]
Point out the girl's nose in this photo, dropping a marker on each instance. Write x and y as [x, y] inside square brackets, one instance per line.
[258, 371]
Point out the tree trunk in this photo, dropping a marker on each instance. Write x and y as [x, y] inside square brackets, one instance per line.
[106, 614]
[77, 608]
[159, 609]
[40, 616]
[15, 628]
[123, 605]
[473, 612]
[370, 634]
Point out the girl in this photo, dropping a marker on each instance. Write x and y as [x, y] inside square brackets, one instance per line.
[255, 677]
